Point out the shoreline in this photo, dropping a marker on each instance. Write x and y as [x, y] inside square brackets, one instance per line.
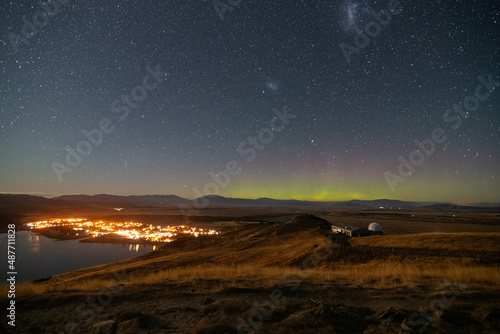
[106, 239]
[27, 274]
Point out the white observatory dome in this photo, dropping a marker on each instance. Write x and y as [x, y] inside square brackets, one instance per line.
[375, 227]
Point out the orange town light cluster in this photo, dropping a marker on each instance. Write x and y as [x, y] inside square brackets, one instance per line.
[128, 230]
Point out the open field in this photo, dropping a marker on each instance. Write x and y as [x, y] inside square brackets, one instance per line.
[273, 272]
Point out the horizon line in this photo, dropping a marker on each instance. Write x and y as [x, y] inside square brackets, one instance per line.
[55, 195]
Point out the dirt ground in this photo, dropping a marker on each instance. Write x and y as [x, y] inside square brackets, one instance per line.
[302, 307]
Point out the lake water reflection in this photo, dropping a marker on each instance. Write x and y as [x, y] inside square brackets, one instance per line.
[39, 257]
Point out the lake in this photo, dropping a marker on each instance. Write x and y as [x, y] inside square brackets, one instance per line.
[40, 257]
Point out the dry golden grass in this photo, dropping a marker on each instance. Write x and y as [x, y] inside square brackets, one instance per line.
[30, 288]
[22, 289]
[405, 273]
[375, 274]
[466, 241]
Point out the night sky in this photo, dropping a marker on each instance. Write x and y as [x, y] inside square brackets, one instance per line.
[313, 100]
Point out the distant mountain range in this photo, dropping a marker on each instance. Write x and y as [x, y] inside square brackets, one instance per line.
[27, 203]
[220, 201]
[133, 200]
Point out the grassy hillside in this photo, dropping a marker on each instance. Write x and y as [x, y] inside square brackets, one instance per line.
[316, 285]
[272, 250]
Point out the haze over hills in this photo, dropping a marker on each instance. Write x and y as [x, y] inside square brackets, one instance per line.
[141, 200]
[29, 203]
[220, 201]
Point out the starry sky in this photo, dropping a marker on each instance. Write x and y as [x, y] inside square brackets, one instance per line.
[303, 99]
